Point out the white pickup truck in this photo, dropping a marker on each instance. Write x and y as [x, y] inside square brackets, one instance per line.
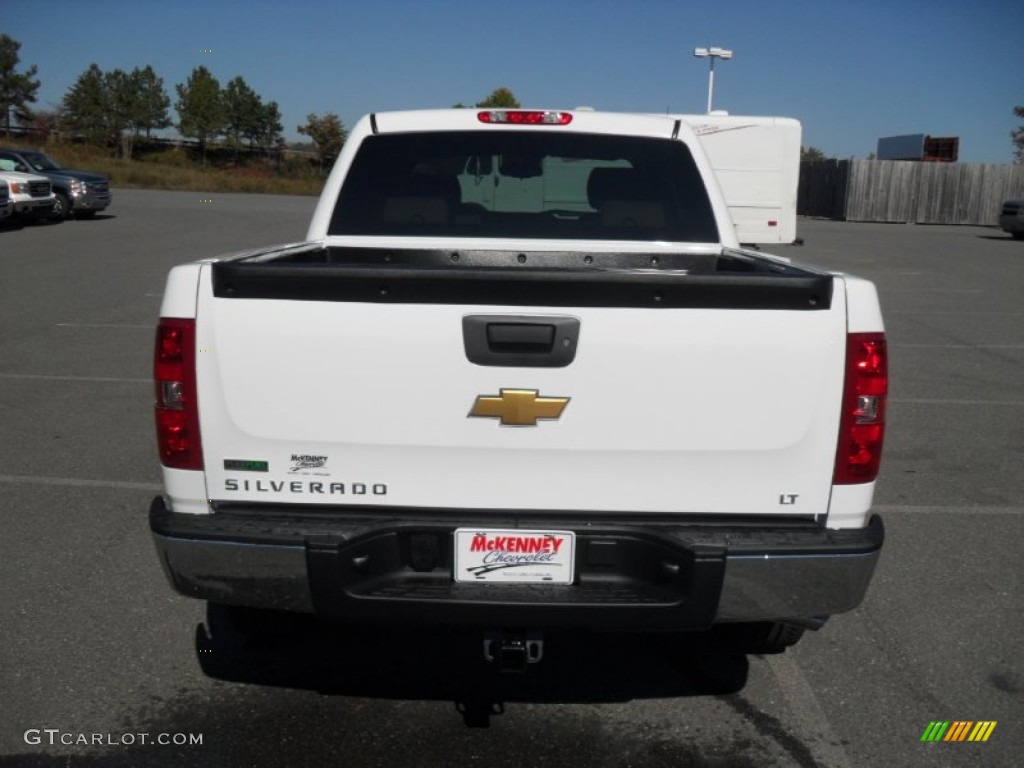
[6, 206]
[522, 377]
[31, 196]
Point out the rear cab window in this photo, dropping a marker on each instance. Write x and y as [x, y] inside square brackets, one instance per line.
[525, 184]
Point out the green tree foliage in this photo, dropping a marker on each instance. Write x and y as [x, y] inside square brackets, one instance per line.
[248, 118]
[153, 101]
[1018, 137]
[200, 107]
[17, 89]
[85, 107]
[500, 98]
[327, 132]
[120, 101]
[114, 108]
[811, 155]
[243, 110]
[269, 127]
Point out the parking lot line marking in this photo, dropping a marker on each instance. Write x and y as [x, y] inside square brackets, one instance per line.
[813, 728]
[54, 377]
[942, 401]
[105, 325]
[922, 313]
[946, 510]
[80, 482]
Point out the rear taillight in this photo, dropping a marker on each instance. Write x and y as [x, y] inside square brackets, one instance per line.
[177, 411]
[862, 426]
[524, 117]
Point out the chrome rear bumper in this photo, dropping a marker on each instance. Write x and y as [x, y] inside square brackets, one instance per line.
[395, 565]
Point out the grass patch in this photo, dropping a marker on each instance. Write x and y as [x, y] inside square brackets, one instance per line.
[173, 169]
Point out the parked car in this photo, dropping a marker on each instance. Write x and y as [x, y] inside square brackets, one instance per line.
[78, 192]
[1011, 219]
[31, 195]
[6, 206]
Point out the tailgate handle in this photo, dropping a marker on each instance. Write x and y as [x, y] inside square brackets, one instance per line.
[520, 337]
[523, 341]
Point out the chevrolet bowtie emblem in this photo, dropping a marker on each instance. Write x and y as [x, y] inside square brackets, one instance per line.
[518, 407]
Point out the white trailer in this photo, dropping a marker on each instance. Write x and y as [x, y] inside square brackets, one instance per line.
[757, 163]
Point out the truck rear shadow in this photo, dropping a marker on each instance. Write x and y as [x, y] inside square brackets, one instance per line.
[439, 664]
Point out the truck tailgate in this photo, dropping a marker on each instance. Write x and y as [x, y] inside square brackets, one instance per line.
[684, 409]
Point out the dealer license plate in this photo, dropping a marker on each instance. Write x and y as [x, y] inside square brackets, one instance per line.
[514, 556]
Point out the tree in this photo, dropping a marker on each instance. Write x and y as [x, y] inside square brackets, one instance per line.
[500, 98]
[1018, 138]
[811, 155]
[85, 108]
[122, 105]
[327, 132]
[269, 127]
[153, 101]
[113, 108]
[200, 108]
[243, 109]
[248, 117]
[17, 90]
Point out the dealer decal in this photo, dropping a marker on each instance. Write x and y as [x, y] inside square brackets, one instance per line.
[546, 543]
[514, 555]
[303, 462]
[503, 552]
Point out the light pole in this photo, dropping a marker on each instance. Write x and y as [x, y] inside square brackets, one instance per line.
[711, 54]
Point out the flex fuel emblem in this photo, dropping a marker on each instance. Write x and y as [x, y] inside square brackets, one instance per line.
[246, 465]
[518, 407]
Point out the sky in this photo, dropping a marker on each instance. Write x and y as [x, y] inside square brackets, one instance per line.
[851, 72]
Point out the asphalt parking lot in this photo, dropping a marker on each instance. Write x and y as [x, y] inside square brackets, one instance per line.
[95, 642]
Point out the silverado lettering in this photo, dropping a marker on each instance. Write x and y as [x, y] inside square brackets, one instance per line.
[295, 486]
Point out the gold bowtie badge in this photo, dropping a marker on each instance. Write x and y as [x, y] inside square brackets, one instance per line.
[518, 407]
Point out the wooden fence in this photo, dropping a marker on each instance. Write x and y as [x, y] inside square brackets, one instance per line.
[907, 192]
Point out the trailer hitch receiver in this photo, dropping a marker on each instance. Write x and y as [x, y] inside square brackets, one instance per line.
[513, 651]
